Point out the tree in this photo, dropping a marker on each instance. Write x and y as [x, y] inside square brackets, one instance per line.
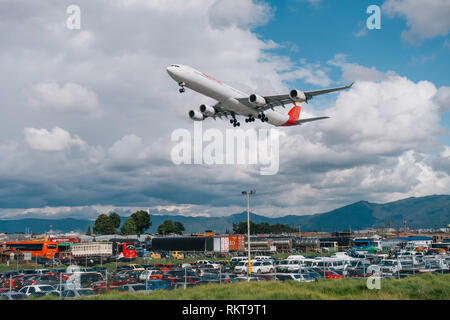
[129, 227]
[142, 220]
[263, 227]
[89, 232]
[104, 225]
[115, 218]
[179, 226]
[168, 227]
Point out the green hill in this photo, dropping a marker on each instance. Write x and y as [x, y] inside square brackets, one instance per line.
[423, 212]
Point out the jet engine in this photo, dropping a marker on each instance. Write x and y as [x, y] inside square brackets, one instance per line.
[207, 110]
[195, 115]
[256, 100]
[297, 96]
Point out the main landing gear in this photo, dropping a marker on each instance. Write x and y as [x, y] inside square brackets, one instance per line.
[182, 84]
[263, 117]
[250, 119]
[234, 122]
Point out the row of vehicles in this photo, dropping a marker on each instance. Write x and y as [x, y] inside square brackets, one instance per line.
[349, 264]
[74, 282]
[49, 249]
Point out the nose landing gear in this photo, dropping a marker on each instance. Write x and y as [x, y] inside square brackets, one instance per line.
[182, 84]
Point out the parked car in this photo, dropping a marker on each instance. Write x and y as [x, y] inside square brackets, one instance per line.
[329, 274]
[43, 288]
[115, 280]
[137, 267]
[177, 255]
[104, 289]
[263, 266]
[77, 293]
[150, 274]
[295, 277]
[242, 267]
[158, 285]
[282, 266]
[207, 264]
[235, 260]
[133, 288]
[13, 295]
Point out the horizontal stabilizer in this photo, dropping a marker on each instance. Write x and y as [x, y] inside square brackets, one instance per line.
[310, 119]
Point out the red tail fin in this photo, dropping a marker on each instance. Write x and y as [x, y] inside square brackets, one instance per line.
[294, 113]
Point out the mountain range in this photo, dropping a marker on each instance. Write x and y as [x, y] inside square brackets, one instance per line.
[422, 212]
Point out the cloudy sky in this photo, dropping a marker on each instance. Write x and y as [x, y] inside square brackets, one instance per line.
[87, 114]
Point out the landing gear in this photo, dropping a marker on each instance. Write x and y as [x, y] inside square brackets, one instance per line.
[250, 119]
[234, 122]
[182, 84]
[263, 117]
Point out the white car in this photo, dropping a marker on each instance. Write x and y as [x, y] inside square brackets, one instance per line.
[294, 265]
[38, 288]
[295, 257]
[300, 277]
[263, 258]
[262, 267]
[207, 264]
[241, 267]
[282, 266]
[146, 275]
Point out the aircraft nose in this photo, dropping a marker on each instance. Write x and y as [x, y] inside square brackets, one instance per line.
[170, 70]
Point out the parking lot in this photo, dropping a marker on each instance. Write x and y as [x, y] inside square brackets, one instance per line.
[77, 281]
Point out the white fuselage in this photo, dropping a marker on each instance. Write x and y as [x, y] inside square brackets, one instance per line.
[226, 95]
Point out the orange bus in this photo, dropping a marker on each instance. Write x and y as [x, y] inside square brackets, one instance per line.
[46, 249]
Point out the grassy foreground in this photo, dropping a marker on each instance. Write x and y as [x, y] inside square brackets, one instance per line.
[426, 287]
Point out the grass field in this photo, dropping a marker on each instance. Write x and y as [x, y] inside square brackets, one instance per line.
[423, 287]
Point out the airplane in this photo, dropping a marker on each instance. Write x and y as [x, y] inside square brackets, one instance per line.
[232, 102]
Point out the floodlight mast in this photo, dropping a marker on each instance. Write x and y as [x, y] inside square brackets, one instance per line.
[247, 194]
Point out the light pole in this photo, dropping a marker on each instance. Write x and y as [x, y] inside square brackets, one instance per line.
[247, 194]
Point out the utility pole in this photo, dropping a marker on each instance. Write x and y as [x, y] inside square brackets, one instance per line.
[247, 194]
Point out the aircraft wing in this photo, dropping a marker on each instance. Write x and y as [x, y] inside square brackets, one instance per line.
[284, 99]
[220, 111]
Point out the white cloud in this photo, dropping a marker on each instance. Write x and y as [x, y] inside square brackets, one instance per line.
[442, 99]
[425, 18]
[353, 71]
[129, 151]
[71, 97]
[83, 39]
[385, 117]
[309, 73]
[374, 146]
[239, 13]
[56, 140]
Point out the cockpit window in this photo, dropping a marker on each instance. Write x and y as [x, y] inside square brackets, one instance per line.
[175, 65]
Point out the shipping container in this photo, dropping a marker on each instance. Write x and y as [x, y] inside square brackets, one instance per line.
[224, 244]
[217, 245]
[92, 249]
[183, 244]
[236, 243]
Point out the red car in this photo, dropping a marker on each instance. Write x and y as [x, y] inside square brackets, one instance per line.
[116, 280]
[103, 289]
[329, 274]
